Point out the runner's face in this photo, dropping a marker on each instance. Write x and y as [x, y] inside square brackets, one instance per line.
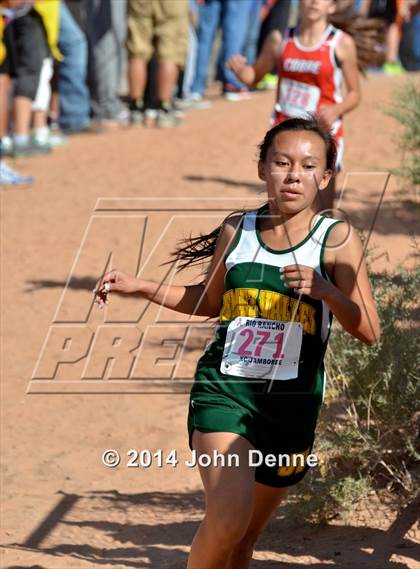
[295, 170]
[315, 10]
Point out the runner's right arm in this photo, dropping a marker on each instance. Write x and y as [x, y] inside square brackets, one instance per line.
[203, 299]
[250, 75]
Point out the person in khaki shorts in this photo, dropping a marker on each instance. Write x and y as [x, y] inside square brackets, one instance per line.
[161, 27]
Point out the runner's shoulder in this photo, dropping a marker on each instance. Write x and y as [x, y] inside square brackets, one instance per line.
[338, 232]
[231, 224]
[341, 239]
[346, 46]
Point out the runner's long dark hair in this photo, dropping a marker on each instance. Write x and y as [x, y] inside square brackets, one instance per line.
[195, 250]
[368, 34]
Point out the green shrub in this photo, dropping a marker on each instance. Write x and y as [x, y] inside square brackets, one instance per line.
[368, 429]
[406, 110]
[380, 385]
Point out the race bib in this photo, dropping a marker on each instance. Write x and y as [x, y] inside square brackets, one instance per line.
[260, 348]
[297, 98]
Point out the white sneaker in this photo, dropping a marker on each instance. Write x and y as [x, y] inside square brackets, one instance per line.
[168, 119]
[196, 101]
[6, 145]
[235, 96]
[9, 177]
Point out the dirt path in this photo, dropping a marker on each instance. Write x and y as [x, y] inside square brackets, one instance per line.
[61, 508]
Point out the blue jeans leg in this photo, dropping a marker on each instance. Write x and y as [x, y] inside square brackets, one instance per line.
[416, 41]
[249, 49]
[190, 62]
[106, 34]
[209, 14]
[234, 27]
[72, 88]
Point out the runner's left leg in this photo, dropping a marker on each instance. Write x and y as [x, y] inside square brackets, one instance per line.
[267, 498]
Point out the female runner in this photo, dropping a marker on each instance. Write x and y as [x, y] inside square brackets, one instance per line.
[277, 275]
[312, 61]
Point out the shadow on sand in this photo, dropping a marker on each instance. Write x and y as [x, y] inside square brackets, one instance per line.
[164, 545]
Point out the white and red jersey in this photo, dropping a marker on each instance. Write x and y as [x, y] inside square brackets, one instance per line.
[309, 78]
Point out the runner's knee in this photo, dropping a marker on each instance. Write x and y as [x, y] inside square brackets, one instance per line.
[248, 541]
[227, 527]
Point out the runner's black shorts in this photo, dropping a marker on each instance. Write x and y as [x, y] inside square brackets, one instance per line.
[288, 432]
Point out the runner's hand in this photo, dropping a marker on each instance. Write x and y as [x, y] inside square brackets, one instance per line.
[305, 280]
[237, 64]
[114, 281]
[329, 114]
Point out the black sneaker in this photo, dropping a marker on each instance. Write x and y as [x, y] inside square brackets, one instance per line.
[93, 127]
[168, 117]
[31, 149]
[136, 117]
[136, 110]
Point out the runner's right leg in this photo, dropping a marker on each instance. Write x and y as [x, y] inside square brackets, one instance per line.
[229, 500]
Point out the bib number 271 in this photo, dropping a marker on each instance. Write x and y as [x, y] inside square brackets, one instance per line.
[257, 339]
[262, 348]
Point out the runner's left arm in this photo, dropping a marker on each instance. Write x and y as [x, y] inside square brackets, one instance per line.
[347, 55]
[347, 293]
[203, 299]
[351, 300]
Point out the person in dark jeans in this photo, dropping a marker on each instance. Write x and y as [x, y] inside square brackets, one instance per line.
[74, 115]
[277, 19]
[106, 28]
[410, 40]
[232, 16]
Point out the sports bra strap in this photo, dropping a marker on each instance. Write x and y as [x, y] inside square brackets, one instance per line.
[334, 36]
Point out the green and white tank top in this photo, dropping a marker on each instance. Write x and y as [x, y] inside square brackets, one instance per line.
[267, 332]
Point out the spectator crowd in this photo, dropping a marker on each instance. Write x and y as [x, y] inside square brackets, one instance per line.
[89, 66]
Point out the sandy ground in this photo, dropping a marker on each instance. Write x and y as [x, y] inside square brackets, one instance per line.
[61, 507]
